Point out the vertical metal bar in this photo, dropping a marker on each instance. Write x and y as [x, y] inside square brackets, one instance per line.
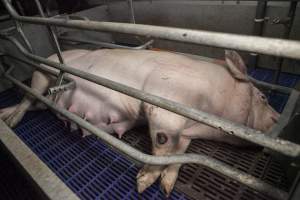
[286, 35]
[23, 36]
[258, 29]
[131, 11]
[56, 45]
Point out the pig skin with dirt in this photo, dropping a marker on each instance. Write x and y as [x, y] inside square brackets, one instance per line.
[220, 88]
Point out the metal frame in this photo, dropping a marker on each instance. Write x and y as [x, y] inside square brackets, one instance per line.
[275, 47]
[103, 44]
[268, 46]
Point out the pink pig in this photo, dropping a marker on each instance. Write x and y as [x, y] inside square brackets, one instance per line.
[221, 88]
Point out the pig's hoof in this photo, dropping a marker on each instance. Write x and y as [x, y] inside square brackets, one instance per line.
[12, 115]
[13, 119]
[7, 112]
[168, 180]
[147, 176]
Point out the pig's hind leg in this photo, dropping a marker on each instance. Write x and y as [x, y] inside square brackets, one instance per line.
[13, 115]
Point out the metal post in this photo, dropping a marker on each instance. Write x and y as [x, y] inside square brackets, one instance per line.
[286, 35]
[258, 28]
[55, 42]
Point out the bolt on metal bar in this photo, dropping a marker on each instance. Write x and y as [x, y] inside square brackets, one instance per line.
[106, 44]
[269, 46]
[282, 146]
[206, 161]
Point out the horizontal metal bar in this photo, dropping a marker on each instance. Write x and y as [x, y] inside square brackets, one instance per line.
[269, 46]
[105, 44]
[206, 161]
[4, 17]
[244, 132]
[37, 66]
[262, 84]
[279, 88]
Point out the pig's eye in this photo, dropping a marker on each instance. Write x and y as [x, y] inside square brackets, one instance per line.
[161, 138]
[263, 97]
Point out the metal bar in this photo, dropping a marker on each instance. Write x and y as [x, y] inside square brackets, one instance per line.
[105, 44]
[286, 35]
[51, 32]
[206, 161]
[37, 66]
[275, 47]
[4, 17]
[55, 44]
[131, 11]
[279, 88]
[258, 28]
[261, 84]
[53, 90]
[244, 132]
[22, 34]
[286, 114]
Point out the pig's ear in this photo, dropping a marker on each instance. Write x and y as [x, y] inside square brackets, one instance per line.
[236, 65]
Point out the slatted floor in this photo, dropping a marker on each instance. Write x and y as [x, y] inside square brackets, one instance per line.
[94, 171]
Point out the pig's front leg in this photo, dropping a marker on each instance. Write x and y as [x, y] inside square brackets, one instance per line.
[162, 145]
[13, 115]
[147, 176]
[170, 173]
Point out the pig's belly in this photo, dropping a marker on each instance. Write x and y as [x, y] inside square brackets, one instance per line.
[99, 106]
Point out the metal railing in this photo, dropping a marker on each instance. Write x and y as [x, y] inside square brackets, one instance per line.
[277, 47]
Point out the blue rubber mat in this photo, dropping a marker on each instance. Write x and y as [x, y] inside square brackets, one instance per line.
[88, 166]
